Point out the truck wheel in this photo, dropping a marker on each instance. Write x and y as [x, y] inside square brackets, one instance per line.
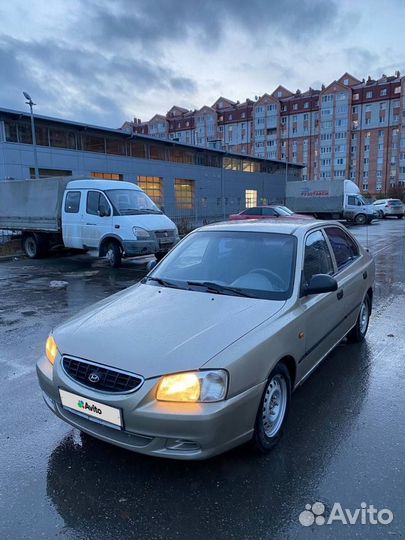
[360, 219]
[34, 246]
[114, 255]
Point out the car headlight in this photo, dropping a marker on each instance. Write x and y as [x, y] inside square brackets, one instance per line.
[51, 349]
[140, 234]
[193, 386]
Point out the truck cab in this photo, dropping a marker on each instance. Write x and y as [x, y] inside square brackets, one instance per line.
[355, 206]
[114, 220]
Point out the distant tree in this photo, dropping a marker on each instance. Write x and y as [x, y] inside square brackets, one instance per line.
[397, 192]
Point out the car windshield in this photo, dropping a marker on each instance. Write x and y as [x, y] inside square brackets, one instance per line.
[131, 201]
[252, 264]
[285, 211]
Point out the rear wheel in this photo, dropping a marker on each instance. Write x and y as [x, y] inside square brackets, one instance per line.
[359, 331]
[360, 219]
[273, 410]
[114, 255]
[34, 245]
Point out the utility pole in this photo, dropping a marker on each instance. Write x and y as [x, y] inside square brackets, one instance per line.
[34, 140]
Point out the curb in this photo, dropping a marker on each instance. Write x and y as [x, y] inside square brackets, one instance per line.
[7, 258]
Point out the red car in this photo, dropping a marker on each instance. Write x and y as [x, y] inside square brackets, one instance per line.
[266, 212]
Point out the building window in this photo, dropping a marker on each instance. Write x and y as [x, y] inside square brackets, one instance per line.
[11, 131]
[107, 176]
[369, 95]
[153, 187]
[47, 173]
[397, 90]
[355, 97]
[383, 92]
[184, 192]
[250, 198]
[92, 143]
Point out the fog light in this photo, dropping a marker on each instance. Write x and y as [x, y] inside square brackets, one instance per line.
[183, 445]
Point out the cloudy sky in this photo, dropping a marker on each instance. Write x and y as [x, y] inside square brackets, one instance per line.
[104, 61]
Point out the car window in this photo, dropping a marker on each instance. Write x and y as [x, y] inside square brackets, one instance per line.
[72, 202]
[344, 248]
[269, 212]
[96, 202]
[252, 212]
[317, 258]
[261, 264]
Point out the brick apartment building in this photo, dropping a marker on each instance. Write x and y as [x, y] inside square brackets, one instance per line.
[348, 129]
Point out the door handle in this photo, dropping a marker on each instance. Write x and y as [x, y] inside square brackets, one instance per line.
[339, 295]
[91, 223]
[365, 274]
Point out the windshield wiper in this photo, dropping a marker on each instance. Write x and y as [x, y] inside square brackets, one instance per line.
[218, 288]
[165, 282]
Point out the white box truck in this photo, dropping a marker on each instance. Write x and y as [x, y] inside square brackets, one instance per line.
[330, 199]
[107, 218]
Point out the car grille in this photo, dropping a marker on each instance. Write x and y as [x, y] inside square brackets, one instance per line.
[162, 235]
[99, 377]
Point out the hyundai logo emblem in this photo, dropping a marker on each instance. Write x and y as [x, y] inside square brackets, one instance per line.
[93, 377]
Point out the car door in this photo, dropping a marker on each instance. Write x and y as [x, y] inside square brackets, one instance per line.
[351, 273]
[321, 313]
[352, 206]
[97, 218]
[71, 219]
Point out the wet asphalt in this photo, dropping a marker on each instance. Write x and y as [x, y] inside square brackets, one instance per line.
[344, 440]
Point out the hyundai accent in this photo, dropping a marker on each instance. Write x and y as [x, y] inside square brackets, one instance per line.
[203, 354]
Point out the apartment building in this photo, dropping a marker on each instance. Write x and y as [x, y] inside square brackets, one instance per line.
[350, 128]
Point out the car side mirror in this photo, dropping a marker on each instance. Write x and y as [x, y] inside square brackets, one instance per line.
[320, 283]
[151, 265]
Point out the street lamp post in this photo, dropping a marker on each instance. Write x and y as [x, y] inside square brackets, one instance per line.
[34, 140]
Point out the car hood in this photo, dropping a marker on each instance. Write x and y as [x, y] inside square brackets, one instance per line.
[153, 330]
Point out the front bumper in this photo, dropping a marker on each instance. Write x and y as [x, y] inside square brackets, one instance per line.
[173, 430]
[134, 248]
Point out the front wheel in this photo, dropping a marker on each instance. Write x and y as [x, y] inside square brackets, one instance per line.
[114, 255]
[359, 331]
[360, 219]
[273, 410]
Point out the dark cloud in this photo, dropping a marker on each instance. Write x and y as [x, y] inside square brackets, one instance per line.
[79, 83]
[150, 22]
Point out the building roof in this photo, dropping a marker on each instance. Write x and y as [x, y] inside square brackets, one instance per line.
[138, 136]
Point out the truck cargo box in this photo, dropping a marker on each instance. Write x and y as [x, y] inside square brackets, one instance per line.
[315, 196]
[34, 205]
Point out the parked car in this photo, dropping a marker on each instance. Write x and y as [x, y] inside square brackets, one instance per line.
[266, 212]
[389, 207]
[203, 354]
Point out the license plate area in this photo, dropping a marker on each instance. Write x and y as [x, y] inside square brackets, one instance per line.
[91, 409]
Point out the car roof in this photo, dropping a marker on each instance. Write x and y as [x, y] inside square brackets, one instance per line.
[263, 206]
[282, 225]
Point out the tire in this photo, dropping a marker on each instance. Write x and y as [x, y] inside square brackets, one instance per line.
[269, 427]
[359, 331]
[114, 255]
[34, 245]
[360, 219]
